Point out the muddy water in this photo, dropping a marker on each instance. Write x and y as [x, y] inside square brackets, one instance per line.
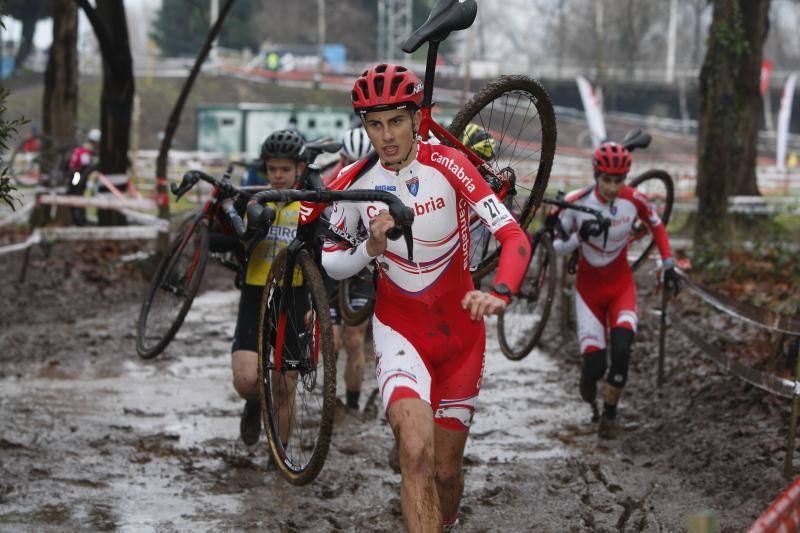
[115, 443]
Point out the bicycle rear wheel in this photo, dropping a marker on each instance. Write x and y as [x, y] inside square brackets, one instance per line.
[520, 327]
[173, 289]
[356, 298]
[518, 113]
[657, 186]
[297, 371]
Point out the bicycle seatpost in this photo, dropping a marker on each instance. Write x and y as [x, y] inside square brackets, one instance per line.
[311, 178]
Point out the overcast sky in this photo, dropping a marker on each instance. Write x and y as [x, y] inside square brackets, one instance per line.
[138, 12]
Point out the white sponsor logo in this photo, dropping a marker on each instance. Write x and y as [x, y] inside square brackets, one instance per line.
[281, 234]
[344, 235]
[455, 168]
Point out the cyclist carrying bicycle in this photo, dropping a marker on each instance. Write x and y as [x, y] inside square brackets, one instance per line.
[80, 162]
[428, 328]
[283, 155]
[355, 145]
[605, 295]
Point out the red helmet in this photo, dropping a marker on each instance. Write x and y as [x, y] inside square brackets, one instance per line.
[386, 87]
[611, 158]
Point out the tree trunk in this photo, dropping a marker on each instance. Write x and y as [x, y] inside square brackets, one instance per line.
[26, 42]
[60, 102]
[730, 105]
[60, 99]
[116, 102]
[174, 120]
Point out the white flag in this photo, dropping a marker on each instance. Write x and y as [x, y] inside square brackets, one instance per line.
[593, 105]
[784, 115]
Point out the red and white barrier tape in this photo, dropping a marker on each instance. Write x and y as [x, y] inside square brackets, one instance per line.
[103, 202]
[73, 233]
[783, 515]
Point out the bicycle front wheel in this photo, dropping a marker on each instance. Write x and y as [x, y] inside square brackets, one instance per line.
[520, 328]
[297, 370]
[172, 289]
[518, 113]
[657, 187]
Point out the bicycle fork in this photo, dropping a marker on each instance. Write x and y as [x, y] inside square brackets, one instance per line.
[296, 363]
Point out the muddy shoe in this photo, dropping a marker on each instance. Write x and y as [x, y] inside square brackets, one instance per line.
[394, 458]
[608, 428]
[588, 390]
[250, 425]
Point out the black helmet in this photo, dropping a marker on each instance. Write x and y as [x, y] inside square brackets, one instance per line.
[284, 143]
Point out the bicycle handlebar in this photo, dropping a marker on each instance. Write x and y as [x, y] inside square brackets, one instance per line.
[598, 227]
[226, 192]
[402, 215]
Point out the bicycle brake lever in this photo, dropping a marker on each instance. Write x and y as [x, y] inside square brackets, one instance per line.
[409, 238]
[606, 224]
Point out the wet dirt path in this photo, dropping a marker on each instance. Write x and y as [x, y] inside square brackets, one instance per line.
[153, 446]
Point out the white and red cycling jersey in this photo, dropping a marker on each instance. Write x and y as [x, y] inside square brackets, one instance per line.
[605, 289]
[427, 345]
[80, 158]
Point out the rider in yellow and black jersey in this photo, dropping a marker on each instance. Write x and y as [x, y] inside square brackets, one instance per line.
[281, 233]
[284, 156]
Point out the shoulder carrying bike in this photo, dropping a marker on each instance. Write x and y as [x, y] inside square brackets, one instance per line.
[521, 327]
[515, 110]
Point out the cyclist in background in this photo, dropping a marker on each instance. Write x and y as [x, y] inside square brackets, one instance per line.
[605, 295]
[479, 141]
[428, 328]
[355, 145]
[82, 159]
[283, 154]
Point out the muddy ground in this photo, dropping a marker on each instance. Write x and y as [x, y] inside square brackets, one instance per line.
[92, 438]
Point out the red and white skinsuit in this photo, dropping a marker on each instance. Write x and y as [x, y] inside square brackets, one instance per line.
[426, 345]
[605, 296]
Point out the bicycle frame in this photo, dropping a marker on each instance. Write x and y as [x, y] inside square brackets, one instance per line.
[211, 212]
[428, 125]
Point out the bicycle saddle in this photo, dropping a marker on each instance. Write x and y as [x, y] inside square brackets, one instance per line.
[636, 139]
[324, 145]
[447, 16]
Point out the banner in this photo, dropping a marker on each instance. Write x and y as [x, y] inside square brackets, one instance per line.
[784, 114]
[593, 105]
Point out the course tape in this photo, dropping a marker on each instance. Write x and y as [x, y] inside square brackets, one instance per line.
[783, 515]
[106, 233]
[33, 238]
[767, 382]
[104, 202]
[758, 316]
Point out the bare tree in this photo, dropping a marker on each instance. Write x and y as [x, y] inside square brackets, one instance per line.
[116, 102]
[730, 105]
[175, 118]
[29, 14]
[60, 101]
